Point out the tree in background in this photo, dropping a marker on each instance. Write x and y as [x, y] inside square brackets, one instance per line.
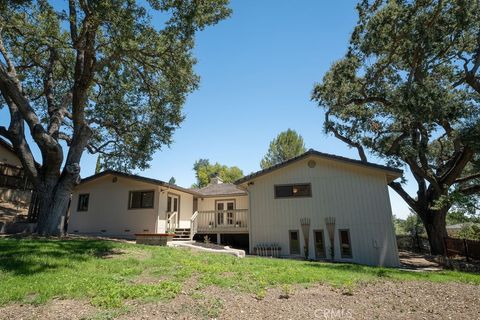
[98, 76]
[98, 164]
[408, 91]
[204, 172]
[288, 144]
[469, 231]
[172, 180]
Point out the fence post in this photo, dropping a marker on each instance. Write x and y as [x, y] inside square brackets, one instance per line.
[466, 249]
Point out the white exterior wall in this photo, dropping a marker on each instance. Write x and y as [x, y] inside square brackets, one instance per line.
[208, 204]
[357, 197]
[185, 209]
[108, 208]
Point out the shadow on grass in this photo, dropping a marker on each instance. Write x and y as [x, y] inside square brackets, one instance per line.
[31, 256]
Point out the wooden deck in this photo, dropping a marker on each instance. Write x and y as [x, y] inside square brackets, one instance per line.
[220, 221]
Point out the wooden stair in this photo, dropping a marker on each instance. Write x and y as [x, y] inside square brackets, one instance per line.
[182, 234]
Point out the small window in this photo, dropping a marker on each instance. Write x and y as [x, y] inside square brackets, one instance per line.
[319, 244]
[141, 199]
[83, 202]
[294, 242]
[293, 190]
[345, 245]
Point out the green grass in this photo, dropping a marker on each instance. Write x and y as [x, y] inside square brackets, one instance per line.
[108, 273]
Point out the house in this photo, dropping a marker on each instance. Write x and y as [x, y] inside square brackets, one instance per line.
[14, 186]
[298, 207]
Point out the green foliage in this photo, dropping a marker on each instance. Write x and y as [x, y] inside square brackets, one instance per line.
[399, 225]
[469, 231]
[413, 225]
[109, 273]
[456, 217]
[288, 144]
[205, 171]
[129, 77]
[408, 91]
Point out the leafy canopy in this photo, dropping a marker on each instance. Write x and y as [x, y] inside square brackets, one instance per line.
[408, 91]
[288, 144]
[104, 70]
[404, 91]
[205, 171]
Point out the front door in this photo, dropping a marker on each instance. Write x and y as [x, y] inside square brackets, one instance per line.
[173, 203]
[224, 216]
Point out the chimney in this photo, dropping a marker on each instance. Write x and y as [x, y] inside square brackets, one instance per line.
[215, 180]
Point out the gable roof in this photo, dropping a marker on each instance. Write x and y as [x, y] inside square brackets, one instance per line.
[7, 145]
[393, 171]
[137, 178]
[221, 189]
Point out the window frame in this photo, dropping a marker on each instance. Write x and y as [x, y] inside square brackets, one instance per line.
[350, 256]
[79, 202]
[290, 242]
[130, 195]
[292, 185]
[323, 244]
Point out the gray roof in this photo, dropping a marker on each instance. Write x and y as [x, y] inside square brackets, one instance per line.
[221, 189]
[138, 178]
[311, 152]
[461, 225]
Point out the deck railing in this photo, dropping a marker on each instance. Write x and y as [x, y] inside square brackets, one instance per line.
[172, 222]
[234, 221]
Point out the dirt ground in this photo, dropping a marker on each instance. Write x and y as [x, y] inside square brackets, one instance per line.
[380, 300]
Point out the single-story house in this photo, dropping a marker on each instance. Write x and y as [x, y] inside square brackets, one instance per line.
[14, 185]
[317, 204]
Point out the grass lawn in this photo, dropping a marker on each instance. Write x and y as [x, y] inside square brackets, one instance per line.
[108, 273]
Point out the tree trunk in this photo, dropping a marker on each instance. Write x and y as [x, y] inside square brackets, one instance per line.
[435, 225]
[54, 200]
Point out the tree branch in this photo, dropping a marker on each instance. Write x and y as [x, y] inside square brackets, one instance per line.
[405, 196]
[471, 190]
[468, 178]
[358, 146]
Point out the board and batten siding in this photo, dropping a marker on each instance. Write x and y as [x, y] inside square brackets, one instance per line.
[356, 196]
[108, 208]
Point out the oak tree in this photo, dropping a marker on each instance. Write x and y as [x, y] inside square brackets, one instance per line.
[408, 91]
[96, 75]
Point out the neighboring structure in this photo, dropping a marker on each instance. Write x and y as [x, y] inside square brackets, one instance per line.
[306, 203]
[14, 186]
[454, 229]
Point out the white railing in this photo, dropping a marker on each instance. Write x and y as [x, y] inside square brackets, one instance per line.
[193, 225]
[172, 222]
[221, 221]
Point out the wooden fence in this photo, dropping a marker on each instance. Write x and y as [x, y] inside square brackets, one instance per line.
[13, 178]
[470, 249]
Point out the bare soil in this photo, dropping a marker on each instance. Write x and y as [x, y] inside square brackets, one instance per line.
[375, 300]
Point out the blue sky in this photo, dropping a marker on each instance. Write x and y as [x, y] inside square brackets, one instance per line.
[257, 70]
